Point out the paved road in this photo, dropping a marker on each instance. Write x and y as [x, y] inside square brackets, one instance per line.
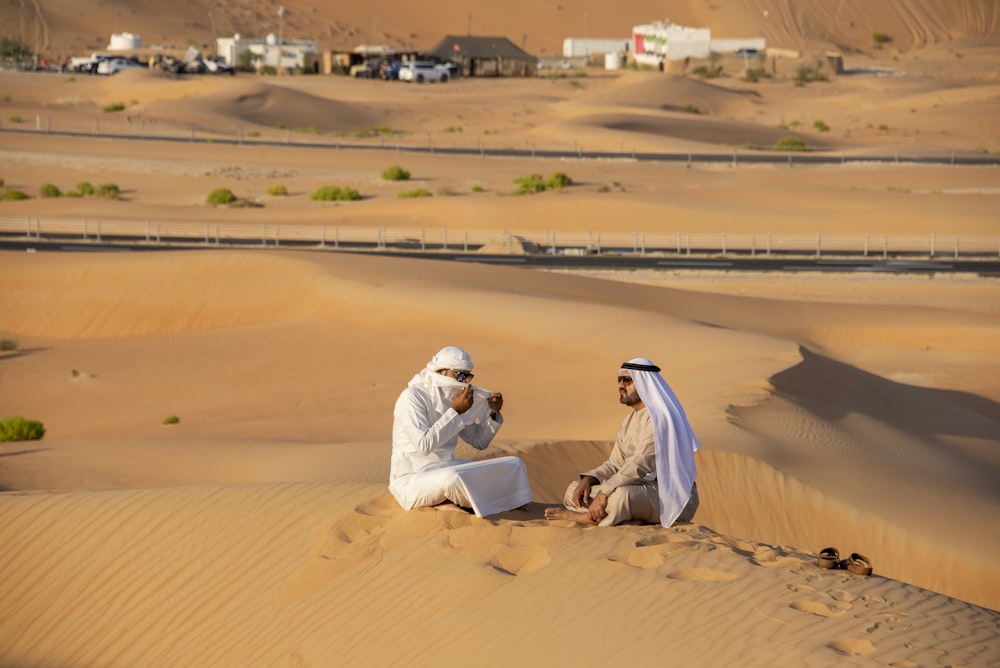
[790, 263]
[734, 157]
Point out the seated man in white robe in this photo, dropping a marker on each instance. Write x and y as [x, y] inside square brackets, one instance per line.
[438, 406]
[650, 475]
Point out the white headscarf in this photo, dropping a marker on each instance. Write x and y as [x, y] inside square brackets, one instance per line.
[443, 388]
[675, 441]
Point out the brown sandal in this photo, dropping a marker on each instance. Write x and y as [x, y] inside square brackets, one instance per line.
[859, 564]
[829, 557]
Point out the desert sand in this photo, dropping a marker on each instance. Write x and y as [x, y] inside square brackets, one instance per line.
[859, 411]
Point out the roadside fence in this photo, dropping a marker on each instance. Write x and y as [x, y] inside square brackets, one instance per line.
[137, 128]
[166, 234]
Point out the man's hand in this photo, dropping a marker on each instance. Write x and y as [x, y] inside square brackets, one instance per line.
[598, 508]
[496, 403]
[463, 400]
[581, 495]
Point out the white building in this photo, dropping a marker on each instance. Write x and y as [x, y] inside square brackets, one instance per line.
[124, 41]
[574, 47]
[268, 52]
[656, 42]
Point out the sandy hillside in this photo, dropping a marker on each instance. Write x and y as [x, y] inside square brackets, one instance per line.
[859, 411]
[803, 447]
[61, 28]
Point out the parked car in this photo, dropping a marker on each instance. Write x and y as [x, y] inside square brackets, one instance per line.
[116, 65]
[423, 71]
[88, 65]
[364, 71]
[391, 71]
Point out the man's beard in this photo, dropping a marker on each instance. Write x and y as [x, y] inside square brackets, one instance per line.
[629, 398]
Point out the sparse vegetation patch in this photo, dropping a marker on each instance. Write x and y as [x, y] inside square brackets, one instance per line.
[220, 196]
[416, 192]
[790, 144]
[335, 194]
[18, 428]
[395, 173]
[49, 190]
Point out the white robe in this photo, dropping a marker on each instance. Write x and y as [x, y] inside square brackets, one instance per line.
[423, 470]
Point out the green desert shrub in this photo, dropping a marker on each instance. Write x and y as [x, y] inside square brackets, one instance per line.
[49, 190]
[6, 345]
[476, 188]
[85, 188]
[12, 195]
[18, 428]
[108, 190]
[220, 196]
[790, 144]
[755, 74]
[14, 118]
[880, 38]
[416, 192]
[558, 181]
[277, 191]
[115, 106]
[171, 419]
[2, 184]
[335, 194]
[821, 126]
[809, 73]
[395, 173]
[526, 185]
[534, 183]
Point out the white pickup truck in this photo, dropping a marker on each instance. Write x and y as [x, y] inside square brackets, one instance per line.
[423, 71]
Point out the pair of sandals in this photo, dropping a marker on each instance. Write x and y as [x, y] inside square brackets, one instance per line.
[858, 564]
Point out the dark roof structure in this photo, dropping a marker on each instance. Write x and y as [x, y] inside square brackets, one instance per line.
[485, 56]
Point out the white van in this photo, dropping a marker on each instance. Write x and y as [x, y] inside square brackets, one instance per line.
[423, 71]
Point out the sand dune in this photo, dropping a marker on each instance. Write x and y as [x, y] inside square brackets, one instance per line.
[859, 411]
[265, 105]
[539, 29]
[302, 572]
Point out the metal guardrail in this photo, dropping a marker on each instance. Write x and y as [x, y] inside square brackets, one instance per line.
[165, 234]
[141, 129]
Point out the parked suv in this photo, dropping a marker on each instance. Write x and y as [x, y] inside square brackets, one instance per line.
[422, 70]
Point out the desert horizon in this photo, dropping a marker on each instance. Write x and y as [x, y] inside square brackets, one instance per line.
[211, 487]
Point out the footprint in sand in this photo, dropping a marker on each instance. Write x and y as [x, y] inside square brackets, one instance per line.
[852, 646]
[821, 609]
[652, 556]
[512, 550]
[352, 540]
[701, 575]
[520, 560]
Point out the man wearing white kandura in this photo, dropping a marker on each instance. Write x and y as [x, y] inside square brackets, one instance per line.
[650, 475]
[438, 406]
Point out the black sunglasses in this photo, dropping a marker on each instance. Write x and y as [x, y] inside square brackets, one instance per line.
[625, 379]
[462, 376]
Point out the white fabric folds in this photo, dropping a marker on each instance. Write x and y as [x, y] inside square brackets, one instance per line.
[674, 438]
[494, 485]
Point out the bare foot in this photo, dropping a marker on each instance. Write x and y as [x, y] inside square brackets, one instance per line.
[559, 513]
[447, 505]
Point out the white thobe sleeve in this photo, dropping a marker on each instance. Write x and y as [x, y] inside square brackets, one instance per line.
[423, 428]
[480, 435]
